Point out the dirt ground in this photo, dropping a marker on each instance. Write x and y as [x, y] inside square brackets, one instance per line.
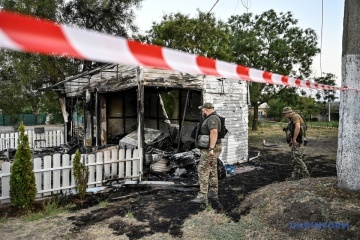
[255, 203]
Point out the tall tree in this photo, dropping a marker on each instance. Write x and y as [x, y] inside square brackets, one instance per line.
[306, 105]
[326, 96]
[202, 35]
[272, 42]
[108, 16]
[348, 152]
[24, 74]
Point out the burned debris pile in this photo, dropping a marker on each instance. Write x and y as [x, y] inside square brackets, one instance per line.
[163, 160]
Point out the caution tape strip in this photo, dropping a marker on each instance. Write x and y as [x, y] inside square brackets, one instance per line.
[23, 33]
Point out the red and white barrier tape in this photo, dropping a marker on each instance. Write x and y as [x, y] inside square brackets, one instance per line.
[29, 34]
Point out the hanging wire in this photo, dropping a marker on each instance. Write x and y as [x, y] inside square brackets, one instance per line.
[213, 6]
[246, 4]
[197, 25]
[236, 7]
[321, 34]
[220, 6]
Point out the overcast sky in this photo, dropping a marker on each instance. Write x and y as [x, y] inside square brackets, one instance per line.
[308, 13]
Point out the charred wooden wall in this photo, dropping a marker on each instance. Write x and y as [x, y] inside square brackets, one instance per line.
[121, 112]
[117, 87]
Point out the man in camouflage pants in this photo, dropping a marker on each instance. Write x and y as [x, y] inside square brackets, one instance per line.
[207, 168]
[295, 134]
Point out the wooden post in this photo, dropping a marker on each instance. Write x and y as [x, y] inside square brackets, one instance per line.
[103, 120]
[140, 112]
[97, 117]
[88, 119]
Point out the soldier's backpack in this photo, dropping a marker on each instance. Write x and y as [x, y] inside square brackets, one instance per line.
[221, 134]
[288, 130]
[304, 128]
[223, 130]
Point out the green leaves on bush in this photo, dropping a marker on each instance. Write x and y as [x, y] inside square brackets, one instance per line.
[81, 174]
[22, 179]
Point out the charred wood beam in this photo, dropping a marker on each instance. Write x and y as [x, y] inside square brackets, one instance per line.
[86, 73]
[183, 119]
[97, 118]
[124, 115]
[140, 109]
[103, 120]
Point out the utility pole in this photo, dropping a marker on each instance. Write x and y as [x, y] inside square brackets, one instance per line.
[329, 112]
[347, 162]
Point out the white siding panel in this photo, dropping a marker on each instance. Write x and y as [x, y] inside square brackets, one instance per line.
[229, 99]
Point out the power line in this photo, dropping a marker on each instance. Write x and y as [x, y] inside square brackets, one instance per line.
[213, 6]
[197, 25]
[321, 34]
[236, 7]
[246, 4]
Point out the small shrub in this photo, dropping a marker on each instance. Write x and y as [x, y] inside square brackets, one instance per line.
[22, 179]
[81, 174]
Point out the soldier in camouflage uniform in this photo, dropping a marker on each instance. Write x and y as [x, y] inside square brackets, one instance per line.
[207, 168]
[295, 133]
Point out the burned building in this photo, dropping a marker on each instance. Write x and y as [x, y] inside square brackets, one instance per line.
[117, 100]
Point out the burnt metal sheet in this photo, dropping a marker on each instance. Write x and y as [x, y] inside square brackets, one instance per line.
[152, 136]
[117, 77]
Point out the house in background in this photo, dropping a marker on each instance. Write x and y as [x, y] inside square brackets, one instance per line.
[263, 108]
[119, 99]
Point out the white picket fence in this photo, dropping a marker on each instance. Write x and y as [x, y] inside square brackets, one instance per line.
[54, 175]
[48, 139]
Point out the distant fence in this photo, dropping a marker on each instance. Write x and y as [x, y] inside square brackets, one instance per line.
[27, 119]
[309, 125]
[54, 175]
[46, 139]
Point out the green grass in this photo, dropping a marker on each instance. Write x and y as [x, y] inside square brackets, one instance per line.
[241, 196]
[324, 124]
[3, 219]
[103, 203]
[273, 133]
[266, 124]
[50, 209]
[208, 207]
[129, 214]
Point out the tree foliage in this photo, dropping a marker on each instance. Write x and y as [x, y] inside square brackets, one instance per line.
[81, 174]
[202, 35]
[326, 95]
[107, 16]
[26, 75]
[272, 42]
[269, 41]
[306, 105]
[22, 178]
